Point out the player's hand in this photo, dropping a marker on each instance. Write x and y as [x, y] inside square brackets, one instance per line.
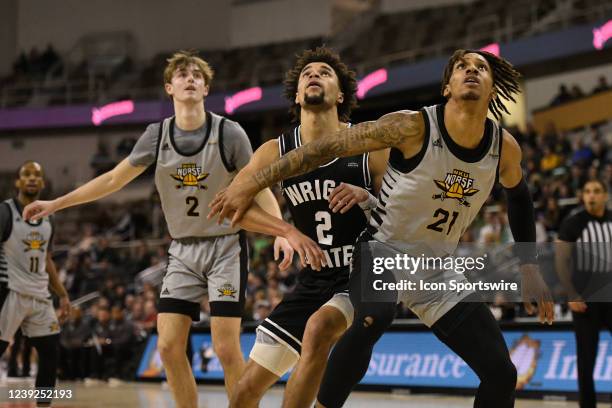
[64, 307]
[345, 196]
[231, 202]
[534, 289]
[577, 306]
[307, 249]
[39, 209]
[281, 244]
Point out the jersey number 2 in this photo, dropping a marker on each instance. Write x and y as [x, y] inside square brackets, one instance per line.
[193, 201]
[323, 218]
[439, 224]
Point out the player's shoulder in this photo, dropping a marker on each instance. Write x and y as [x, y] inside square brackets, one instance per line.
[510, 149]
[405, 115]
[152, 129]
[228, 124]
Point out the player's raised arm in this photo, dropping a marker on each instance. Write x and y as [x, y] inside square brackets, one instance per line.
[99, 187]
[397, 129]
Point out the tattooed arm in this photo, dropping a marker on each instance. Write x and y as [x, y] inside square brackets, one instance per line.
[397, 129]
[401, 130]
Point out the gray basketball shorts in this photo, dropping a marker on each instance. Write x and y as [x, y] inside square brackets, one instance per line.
[213, 266]
[35, 316]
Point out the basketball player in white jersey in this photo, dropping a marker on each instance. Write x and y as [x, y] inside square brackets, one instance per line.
[195, 154]
[454, 141]
[303, 328]
[26, 273]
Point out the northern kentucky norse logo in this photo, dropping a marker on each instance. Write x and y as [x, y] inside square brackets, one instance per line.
[457, 185]
[34, 242]
[227, 290]
[190, 175]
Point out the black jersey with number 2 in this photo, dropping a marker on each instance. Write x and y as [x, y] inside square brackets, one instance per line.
[307, 197]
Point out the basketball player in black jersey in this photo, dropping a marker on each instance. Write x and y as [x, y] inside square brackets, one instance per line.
[307, 323]
[473, 83]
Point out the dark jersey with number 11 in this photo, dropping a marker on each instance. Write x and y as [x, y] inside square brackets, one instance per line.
[307, 197]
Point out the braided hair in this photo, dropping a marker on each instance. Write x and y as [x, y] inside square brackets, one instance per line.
[505, 78]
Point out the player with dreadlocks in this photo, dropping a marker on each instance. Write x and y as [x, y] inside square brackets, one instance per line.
[454, 142]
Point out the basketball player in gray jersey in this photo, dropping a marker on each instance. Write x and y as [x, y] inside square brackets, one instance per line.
[195, 154]
[26, 273]
[431, 151]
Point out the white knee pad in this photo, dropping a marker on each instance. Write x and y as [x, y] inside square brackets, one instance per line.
[273, 355]
[342, 302]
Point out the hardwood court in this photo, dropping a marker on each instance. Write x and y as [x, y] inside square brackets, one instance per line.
[154, 395]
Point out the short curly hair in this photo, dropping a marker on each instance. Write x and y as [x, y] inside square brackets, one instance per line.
[346, 77]
[505, 78]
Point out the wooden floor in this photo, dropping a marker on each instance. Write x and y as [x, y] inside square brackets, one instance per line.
[154, 395]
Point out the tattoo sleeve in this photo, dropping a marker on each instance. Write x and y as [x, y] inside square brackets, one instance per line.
[390, 130]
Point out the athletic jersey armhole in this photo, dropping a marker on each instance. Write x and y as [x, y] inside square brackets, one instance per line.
[280, 146]
[52, 223]
[367, 176]
[158, 141]
[8, 228]
[499, 150]
[158, 144]
[228, 166]
[396, 157]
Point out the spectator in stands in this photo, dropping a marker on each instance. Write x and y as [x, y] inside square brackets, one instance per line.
[125, 146]
[149, 321]
[101, 162]
[120, 295]
[122, 333]
[552, 214]
[582, 154]
[602, 85]
[577, 92]
[49, 60]
[74, 356]
[607, 175]
[262, 310]
[599, 150]
[577, 177]
[101, 352]
[550, 160]
[562, 97]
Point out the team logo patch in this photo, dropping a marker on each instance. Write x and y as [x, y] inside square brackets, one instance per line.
[227, 290]
[457, 185]
[34, 242]
[524, 354]
[54, 327]
[190, 175]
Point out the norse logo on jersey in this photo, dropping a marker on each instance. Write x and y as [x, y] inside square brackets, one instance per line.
[457, 185]
[34, 242]
[525, 353]
[190, 175]
[54, 327]
[227, 290]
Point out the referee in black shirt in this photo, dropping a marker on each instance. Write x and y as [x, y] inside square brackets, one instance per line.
[590, 232]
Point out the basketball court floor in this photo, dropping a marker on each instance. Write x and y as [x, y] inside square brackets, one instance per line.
[155, 395]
